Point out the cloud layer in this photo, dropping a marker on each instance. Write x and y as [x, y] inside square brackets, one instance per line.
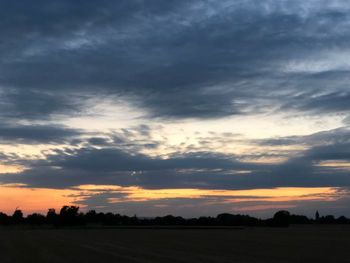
[181, 65]
[177, 59]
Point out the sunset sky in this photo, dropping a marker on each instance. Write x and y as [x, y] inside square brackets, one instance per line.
[186, 107]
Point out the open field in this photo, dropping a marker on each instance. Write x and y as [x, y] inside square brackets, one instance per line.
[295, 244]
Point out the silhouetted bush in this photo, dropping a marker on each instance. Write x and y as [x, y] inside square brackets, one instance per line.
[236, 220]
[299, 219]
[169, 220]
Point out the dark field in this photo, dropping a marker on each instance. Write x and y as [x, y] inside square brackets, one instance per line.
[295, 244]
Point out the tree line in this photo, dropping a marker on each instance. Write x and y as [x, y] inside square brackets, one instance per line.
[71, 216]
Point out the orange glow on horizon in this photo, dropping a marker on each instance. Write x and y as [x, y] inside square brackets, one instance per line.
[32, 200]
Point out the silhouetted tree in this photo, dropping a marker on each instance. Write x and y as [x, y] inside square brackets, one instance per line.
[329, 219]
[51, 216]
[17, 216]
[36, 219]
[4, 219]
[69, 216]
[343, 220]
[91, 217]
[281, 218]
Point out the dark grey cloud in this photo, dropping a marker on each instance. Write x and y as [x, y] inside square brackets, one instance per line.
[335, 136]
[112, 159]
[279, 141]
[304, 168]
[330, 102]
[175, 59]
[33, 134]
[30, 104]
[98, 141]
[119, 166]
[70, 167]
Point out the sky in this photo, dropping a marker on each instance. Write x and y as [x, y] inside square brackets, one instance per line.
[186, 107]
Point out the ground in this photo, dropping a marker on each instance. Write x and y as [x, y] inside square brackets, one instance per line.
[295, 244]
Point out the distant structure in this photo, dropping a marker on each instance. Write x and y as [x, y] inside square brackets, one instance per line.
[317, 216]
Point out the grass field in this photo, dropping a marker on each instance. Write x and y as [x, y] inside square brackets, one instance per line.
[295, 244]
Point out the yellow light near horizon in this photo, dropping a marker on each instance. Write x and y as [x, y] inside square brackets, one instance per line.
[10, 169]
[336, 164]
[254, 208]
[276, 194]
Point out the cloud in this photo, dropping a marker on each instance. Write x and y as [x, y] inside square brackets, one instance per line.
[346, 121]
[112, 159]
[179, 59]
[172, 62]
[33, 134]
[31, 105]
[330, 102]
[98, 141]
[314, 167]
[335, 136]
